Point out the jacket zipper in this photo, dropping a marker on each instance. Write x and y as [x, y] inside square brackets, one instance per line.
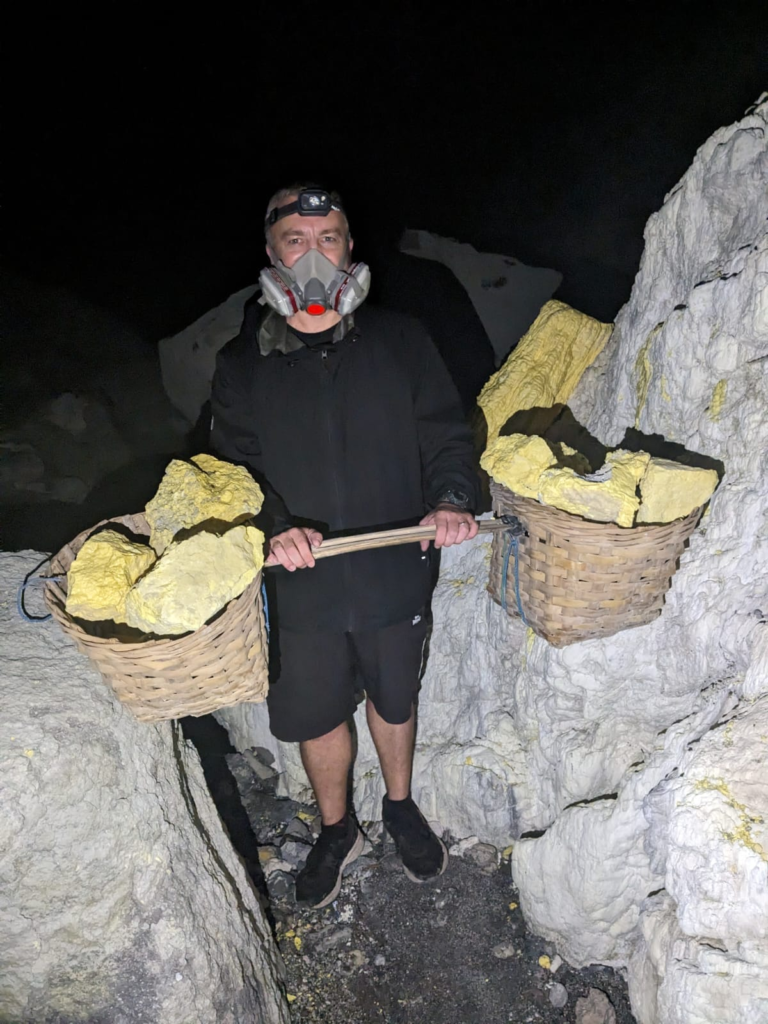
[329, 426]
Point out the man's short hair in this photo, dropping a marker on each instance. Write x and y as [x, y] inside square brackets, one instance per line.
[278, 199]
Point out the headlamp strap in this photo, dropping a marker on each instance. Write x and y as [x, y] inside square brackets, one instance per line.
[312, 202]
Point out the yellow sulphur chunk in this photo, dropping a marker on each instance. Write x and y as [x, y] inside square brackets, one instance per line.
[517, 462]
[608, 496]
[99, 579]
[194, 579]
[545, 366]
[297, 942]
[194, 492]
[670, 491]
[545, 962]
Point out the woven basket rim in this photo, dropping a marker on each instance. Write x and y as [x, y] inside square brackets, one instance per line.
[55, 597]
[533, 505]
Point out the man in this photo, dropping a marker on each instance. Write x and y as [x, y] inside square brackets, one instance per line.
[348, 418]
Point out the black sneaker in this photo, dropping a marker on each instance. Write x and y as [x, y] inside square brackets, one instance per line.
[319, 881]
[423, 854]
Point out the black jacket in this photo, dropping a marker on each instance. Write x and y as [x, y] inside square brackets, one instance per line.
[361, 433]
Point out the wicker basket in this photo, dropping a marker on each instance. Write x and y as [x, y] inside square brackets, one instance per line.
[223, 662]
[579, 580]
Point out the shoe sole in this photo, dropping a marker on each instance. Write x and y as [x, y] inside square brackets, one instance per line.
[353, 854]
[443, 866]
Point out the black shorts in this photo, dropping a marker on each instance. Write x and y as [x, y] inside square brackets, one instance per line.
[317, 679]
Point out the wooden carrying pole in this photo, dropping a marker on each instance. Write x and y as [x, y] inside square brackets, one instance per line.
[388, 538]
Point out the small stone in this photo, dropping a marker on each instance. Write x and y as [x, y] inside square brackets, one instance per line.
[503, 951]
[357, 958]
[595, 1008]
[260, 770]
[460, 848]
[266, 854]
[279, 884]
[557, 962]
[264, 755]
[380, 960]
[330, 937]
[276, 864]
[294, 853]
[178, 976]
[485, 856]
[558, 995]
[298, 829]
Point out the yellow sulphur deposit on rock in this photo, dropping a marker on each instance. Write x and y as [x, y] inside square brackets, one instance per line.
[99, 579]
[201, 490]
[194, 579]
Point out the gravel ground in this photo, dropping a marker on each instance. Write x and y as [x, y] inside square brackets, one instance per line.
[453, 951]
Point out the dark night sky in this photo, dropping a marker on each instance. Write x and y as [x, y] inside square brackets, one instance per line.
[144, 148]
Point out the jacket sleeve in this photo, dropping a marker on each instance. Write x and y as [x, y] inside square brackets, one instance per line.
[233, 436]
[445, 440]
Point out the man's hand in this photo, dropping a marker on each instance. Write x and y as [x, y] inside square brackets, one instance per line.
[453, 526]
[293, 548]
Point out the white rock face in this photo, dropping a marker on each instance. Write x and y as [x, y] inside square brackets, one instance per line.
[188, 359]
[638, 730]
[688, 361]
[121, 899]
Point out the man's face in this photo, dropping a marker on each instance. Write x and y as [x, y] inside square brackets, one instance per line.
[292, 236]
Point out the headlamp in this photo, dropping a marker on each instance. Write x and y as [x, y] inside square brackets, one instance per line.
[311, 202]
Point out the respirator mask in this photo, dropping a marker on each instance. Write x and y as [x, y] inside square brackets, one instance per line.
[313, 284]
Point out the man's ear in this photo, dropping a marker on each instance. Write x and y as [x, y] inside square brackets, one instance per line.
[272, 258]
[350, 245]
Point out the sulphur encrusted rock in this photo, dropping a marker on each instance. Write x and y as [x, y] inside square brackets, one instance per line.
[194, 579]
[670, 491]
[205, 488]
[517, 462]
[608, 496]
[546, 365]
[106, 567]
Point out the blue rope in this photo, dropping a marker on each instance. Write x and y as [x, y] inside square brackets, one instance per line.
[266, 606]
[513, 544]
[29, 579]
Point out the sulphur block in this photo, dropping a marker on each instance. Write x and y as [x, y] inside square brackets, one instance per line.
[194, 579]
[608, 496]
[106, 567]
[517, 462]
[670, 491]
[545, 367]
[205, 488]
[627, 468]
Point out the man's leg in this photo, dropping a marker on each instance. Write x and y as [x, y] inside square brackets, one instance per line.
[327, 760]
[394, 745]
[313, 692]
[391, 661]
